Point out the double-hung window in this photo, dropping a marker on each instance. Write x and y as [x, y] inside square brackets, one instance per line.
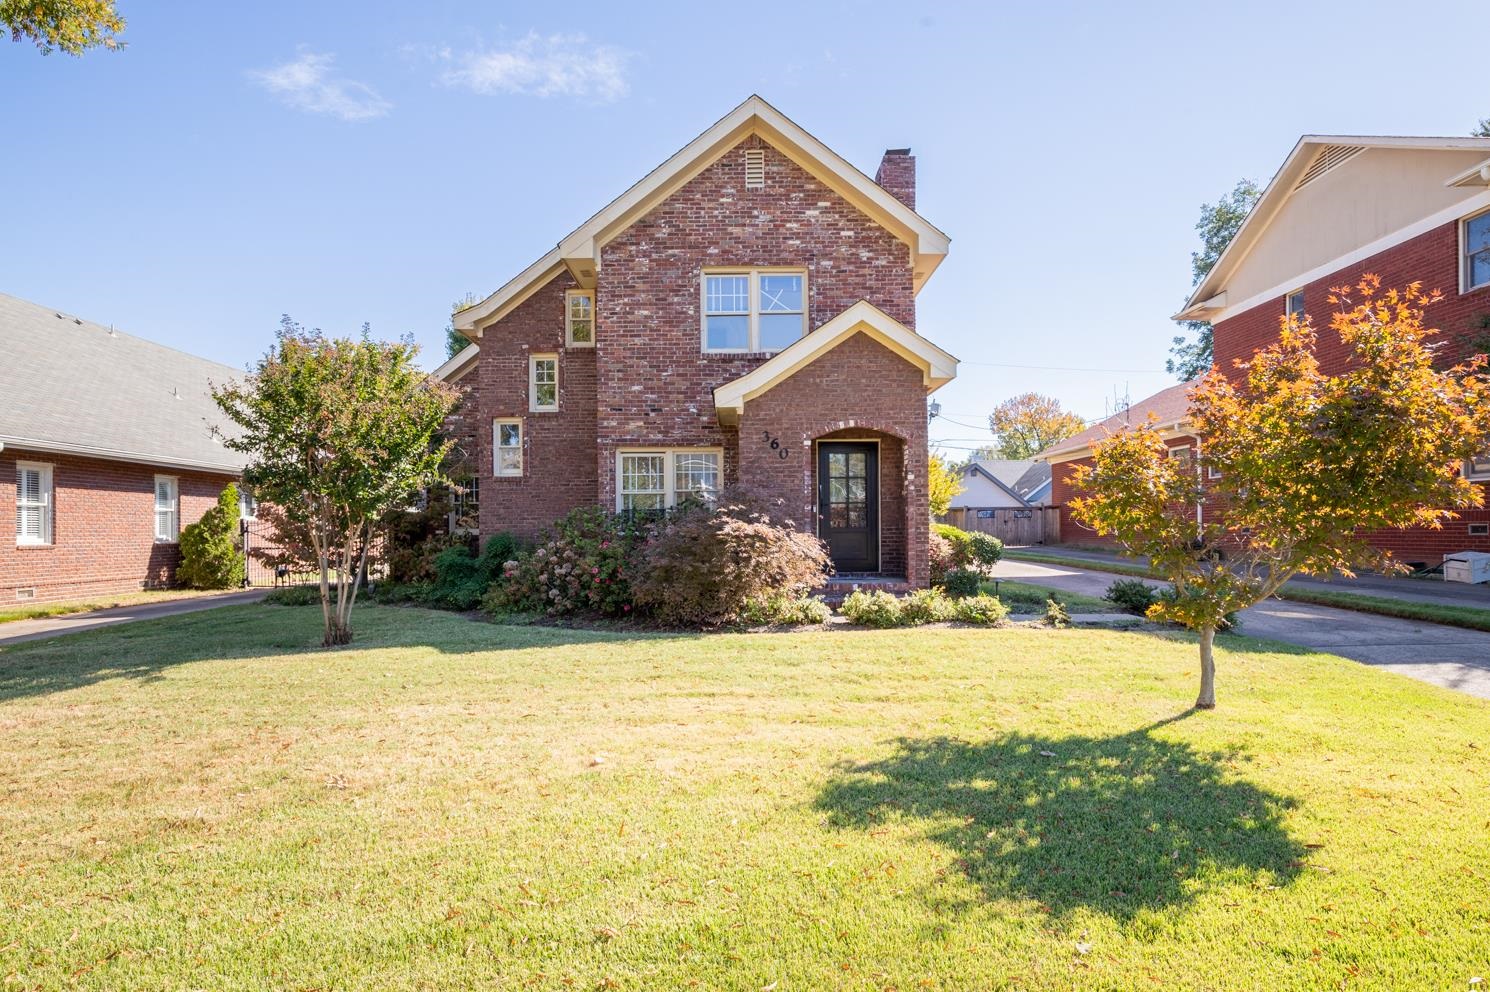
[1294, 306]
[754, 310]
[579, 318]
[167, 508]
[1477, 252]
[507, 447]
[33, 503]
[543, 383]
[656, 480]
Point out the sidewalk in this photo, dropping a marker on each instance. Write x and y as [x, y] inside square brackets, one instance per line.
[75, 623]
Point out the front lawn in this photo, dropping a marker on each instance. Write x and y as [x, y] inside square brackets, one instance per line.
[208, 802]
[145, 597]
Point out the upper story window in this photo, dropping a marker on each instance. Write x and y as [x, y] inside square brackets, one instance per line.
[1477, 252]
[1478, 468]
[507, 446]
[1295, 305]
[33, 503]
[167, 508]
[756, 310]
[543, 383]
[579, 318]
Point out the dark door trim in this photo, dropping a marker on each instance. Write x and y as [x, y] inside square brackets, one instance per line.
[852, 528]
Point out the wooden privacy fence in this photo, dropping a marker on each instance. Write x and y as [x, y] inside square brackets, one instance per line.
[1010, 524]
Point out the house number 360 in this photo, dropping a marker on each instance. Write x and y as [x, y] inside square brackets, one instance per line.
[773, 443]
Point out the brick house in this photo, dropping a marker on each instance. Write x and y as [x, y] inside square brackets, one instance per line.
[744, 313]
[105, 453]
[1406, 209]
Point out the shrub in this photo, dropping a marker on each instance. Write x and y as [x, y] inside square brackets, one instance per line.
[705, 565]
[1132, 596]
[296, 596]
[985, 550]
[871, 609]
[804, 611]
[583, 565]
[960, 582]
[925, 606]
[960, 542]
[211, 552]
[984, 610]
[461, 578]
[1056, 614]
[940, 555]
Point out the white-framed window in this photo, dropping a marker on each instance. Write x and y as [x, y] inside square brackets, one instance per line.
[753, 310]
[1293, 306]
[33, 503]
[1212, 472]
[167, 508]
[543, 383]
[1476, 238]
[579, 318]
[1180, 451]
[248, 507]
[1477, 469]
[507, 446]
[658, 479]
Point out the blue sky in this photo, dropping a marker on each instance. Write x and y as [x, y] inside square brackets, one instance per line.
[348, 162]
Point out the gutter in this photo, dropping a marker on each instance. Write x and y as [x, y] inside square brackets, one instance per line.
[109, 454]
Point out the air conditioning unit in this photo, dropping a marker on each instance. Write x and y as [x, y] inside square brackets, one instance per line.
[1467, 566]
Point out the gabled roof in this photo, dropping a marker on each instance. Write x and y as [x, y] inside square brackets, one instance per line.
[457, 365]
[1169, 408]
[71, 386]
[1312, 154]
[579, 252]
[1021, 478]
[937, 367]
[1034, 479]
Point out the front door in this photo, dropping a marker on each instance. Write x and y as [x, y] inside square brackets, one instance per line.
[848, 501]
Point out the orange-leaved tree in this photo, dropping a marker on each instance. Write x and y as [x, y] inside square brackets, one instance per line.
[1300, 463]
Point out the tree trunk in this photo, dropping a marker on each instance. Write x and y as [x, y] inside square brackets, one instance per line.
[1207, 698]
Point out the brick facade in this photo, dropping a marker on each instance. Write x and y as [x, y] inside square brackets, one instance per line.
[649, 383]
[103, 527]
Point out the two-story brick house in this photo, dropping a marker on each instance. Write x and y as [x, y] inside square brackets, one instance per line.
[1407, 209]
[744, 313]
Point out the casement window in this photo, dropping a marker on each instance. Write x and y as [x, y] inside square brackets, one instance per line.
[507, 447]
[1477, 252]
[543, 383]
[579, 318]
[1294, 306]
[33, 503]
[1477, 469]
[167, 508]
[656, 480]
[754, 310]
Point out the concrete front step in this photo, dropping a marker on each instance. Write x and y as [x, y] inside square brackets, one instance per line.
[838, 587]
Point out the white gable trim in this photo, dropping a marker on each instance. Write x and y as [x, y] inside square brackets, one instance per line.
[458, 365]
[937, 367]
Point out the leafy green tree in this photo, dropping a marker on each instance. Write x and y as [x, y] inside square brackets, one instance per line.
[71, 26]
[338, 432]
[1218, 224]
[1302, 463]
[1027, 424]
[211, 552]
[455, 341]
[1483, 131]
[942, 483]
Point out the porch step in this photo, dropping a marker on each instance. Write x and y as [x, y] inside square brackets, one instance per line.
[838, 586]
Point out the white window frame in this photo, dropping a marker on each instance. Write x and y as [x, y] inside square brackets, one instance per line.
[569, 318]
[1288, 310]
[753, 301]
[497, 447]
[43, 472]
[533, 405]
[1184, 451]
[174, 510]
[669, 470]
[1465, 286]
[1473, 474]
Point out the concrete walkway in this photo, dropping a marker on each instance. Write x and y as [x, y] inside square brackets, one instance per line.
[1447, 656]
[74, 623]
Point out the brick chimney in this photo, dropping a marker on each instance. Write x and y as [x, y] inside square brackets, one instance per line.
[897, 174]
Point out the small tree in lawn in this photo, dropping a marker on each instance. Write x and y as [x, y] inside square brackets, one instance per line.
[1307, 462]
[338, 432]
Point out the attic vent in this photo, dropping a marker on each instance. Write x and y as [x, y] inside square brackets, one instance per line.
[1328, 157]
[755, 168]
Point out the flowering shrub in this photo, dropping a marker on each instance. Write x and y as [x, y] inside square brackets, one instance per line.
[706, 565]
[941, 555]
[967, 549]
[584, 565]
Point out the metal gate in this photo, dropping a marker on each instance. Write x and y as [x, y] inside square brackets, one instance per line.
[265, 562]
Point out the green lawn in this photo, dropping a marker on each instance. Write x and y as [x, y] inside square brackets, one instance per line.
[38, 611]
[1026, 597]
[208, 802]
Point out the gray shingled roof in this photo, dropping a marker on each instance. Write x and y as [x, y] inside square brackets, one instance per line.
[72, 386]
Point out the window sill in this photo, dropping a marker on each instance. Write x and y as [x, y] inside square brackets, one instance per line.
[35, 546]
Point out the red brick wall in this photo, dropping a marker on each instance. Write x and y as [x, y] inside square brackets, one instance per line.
[103, 527]
[1431, 258]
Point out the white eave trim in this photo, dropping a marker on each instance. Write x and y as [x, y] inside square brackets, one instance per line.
[937, 366]
[1475, 175]
[24, 444]
[458, 364]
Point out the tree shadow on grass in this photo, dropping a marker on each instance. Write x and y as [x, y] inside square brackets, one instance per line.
[1117, 825]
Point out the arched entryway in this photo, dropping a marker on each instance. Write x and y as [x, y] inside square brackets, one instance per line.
[860, 512]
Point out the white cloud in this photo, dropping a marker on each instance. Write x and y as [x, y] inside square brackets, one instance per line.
[557, 65]
[307, 83]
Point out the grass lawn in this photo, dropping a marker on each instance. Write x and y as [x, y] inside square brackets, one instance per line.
[1026, 597]
[10, 613]
[208, 802]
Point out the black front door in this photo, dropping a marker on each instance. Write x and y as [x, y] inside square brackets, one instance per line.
[848, 502]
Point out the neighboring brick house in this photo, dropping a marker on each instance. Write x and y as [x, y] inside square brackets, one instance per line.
[1406, 209]
[105, 453]
[744, 313]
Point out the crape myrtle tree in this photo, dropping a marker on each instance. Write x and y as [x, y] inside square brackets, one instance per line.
[1302, 464]
[338, 432]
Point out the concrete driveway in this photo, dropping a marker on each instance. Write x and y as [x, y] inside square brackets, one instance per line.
[74, 623]
[1448, 656]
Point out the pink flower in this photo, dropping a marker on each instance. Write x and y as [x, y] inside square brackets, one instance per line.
[627, 607]
[594, 571]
